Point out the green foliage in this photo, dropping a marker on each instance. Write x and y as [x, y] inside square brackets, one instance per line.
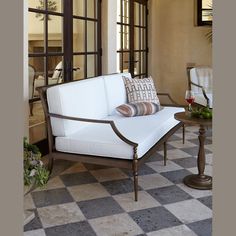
[202, 112]
[52, 6]
[34, 170]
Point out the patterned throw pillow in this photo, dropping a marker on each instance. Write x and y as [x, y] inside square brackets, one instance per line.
[141, 90]
[138, 109]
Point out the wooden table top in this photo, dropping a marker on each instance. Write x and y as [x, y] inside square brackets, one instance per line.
[181, 116]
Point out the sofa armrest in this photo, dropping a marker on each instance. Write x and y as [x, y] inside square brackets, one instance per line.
[110, 122]
[171, 101]
[203, 91]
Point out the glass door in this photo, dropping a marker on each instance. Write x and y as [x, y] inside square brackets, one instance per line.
[64, 42]
[132, 34]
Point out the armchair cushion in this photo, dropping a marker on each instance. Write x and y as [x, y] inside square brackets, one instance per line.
[138, 109]
[141, 90]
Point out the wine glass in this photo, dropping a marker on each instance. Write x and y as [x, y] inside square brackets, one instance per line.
[189, 97]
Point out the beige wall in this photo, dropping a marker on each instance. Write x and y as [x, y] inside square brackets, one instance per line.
[174, 41]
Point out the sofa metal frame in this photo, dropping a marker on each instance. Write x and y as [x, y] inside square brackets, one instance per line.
[132, 164]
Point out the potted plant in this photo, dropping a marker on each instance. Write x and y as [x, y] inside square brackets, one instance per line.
[35, 173]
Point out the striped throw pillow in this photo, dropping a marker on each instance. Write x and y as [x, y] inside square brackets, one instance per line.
[140, 90]
[138, 109]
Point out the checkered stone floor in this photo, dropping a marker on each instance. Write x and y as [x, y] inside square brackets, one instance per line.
[84, 199]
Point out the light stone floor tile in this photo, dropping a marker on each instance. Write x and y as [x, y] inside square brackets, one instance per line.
[78, 167]
[176, 154]
[127, 202]
[181, 230]
[192, 128]
[189, 211]
[38, 232]
[179, 144]
[110, 174]
[115, 225]
[209, 159]
[188, 135]
[88, 191]
[153, 181]
[195, 192]
[28, 202]
[53, 183]
[159, 167]
[60, 214]
[208, 170]
[209, 147]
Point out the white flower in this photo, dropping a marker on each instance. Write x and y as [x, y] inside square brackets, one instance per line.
[32, 172]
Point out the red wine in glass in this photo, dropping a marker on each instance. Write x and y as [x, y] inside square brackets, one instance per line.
[189, 97]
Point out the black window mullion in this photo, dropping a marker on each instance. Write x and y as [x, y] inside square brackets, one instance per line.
[121, 36]
[140, 41]
[46, 42]
[85, 41]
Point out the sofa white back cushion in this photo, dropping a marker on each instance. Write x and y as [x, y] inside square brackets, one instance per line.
[84, 99]
[115, 91]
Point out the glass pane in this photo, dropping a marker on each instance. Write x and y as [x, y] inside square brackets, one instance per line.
[91, 8]
[36, 75]
[207, 4]
[55, 70]
[143, 62]
[91, 36]
[143, 38]
[125, 37]
[206, 15]
[125, 62]
[137, 63]
[118, 41]
[38, 4]
[55, 35]
[36, 114]
[143, 15]
[55, 5]
[78, 63]
[136, 38]
[125, 8]
[78, 8]
[78, 35]
[35, 33]
[91, 66]
[136, 13]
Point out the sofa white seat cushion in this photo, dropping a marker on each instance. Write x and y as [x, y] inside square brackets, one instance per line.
[100, 139]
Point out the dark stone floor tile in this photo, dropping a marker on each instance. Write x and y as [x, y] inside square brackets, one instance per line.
[193, 151]
[196, 141]
[51, 197]
[176, 176]
[95, 167]
[153, 219]
[143, 170]
[188, 162]
[119, 186]
[74, 229]
[35, 223]
[207, 201]
[78, 178]
[202, 228]
[155, 157]
[169, 194]
[100, 207]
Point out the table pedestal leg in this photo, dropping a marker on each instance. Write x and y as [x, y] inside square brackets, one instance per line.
[200, 181]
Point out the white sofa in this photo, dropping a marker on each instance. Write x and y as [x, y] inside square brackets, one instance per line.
[201, 82]
[85, 126]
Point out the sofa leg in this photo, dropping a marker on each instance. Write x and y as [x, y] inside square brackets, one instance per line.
[165, 154]
[135, 174]
[183, 133]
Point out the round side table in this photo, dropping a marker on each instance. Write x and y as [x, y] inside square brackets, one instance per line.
[199, 181]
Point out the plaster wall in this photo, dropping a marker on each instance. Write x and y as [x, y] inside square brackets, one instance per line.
[175, 41]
